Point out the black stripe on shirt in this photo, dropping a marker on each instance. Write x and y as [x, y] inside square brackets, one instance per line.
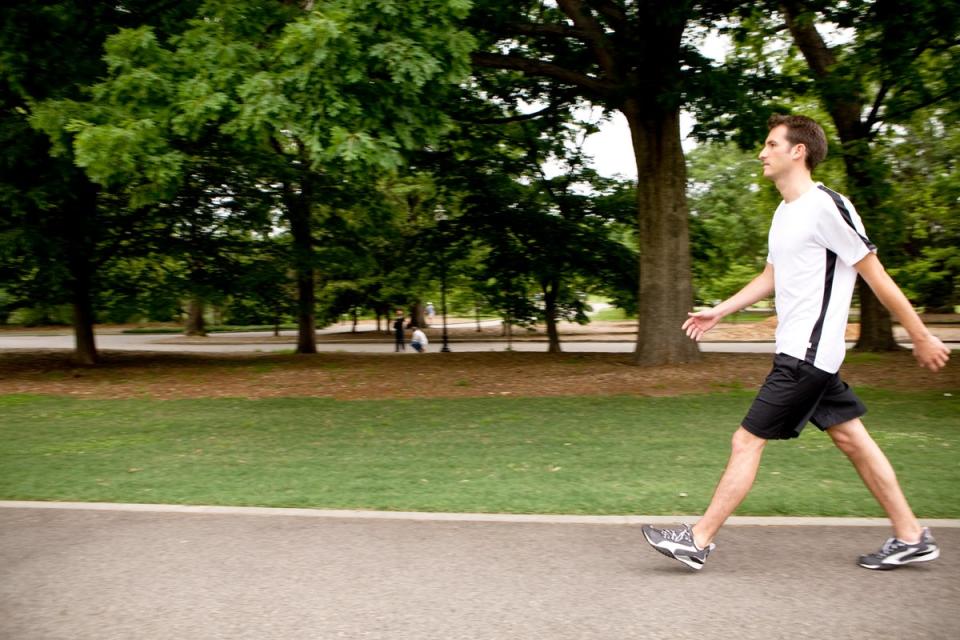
[845, 214]
[814, 343]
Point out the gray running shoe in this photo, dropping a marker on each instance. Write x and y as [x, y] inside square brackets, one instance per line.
[677, 544]
[896, 553]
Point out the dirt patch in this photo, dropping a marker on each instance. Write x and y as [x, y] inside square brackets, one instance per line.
[434, 375]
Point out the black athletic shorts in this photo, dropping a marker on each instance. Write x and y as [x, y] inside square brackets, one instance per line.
[795, 393]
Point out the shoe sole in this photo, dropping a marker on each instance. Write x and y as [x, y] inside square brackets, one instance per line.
[926, 557]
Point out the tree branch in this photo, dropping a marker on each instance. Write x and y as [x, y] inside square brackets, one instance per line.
[612, 10]
[545, 29]
[530, 67]
[553, 106]
[926, 103]
[845, 107]
[808, 39]
[594, 35]
[877, 101]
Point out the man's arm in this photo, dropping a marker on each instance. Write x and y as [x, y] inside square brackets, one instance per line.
[702, 321]
[927, 348]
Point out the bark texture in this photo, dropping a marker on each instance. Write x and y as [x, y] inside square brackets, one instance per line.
[666, 290]
[297, 209]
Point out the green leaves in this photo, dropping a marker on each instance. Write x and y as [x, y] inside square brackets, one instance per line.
[406, 62]
[262, 109]
[350, 82]
[361, 147]
[132, 49]
[310, 41]
[197, 103]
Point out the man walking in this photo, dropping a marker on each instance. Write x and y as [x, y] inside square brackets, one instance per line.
[816, 248]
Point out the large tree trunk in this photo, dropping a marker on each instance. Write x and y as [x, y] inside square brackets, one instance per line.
[666, 290]
[876, 325]
[418, 315]
[85, 352]
[550, 317]
[196, 325]
[297, 205]
[80, 224]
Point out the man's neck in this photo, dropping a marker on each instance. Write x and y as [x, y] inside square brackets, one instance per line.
[795, 185]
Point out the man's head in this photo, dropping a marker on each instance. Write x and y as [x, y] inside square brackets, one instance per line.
[793, 138]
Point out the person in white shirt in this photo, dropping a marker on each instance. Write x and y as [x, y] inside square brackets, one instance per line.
[419, 339]
[817, 247]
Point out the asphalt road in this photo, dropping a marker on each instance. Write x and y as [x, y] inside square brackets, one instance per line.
[104, 575]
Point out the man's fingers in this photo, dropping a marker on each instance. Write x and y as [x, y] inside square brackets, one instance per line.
[940, 360]
[935, 360]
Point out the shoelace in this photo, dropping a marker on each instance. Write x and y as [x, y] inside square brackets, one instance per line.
[891, 545]
[677, 535]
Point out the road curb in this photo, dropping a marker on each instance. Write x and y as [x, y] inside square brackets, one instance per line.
[763, 521]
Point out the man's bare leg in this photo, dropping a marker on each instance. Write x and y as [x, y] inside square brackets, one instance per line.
[877, 473]
[734, 485]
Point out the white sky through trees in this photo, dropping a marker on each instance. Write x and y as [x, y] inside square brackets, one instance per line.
[610, 148]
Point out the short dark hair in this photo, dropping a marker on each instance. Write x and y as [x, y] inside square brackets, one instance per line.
[805, 131]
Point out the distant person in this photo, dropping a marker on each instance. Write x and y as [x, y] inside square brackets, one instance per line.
[398, 339]
[431, 312]
[816, 248]
[419, 339]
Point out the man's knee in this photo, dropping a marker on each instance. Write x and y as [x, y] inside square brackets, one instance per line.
[850, 437]
[744, 442]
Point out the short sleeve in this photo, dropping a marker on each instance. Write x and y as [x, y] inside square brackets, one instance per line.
[839, 229]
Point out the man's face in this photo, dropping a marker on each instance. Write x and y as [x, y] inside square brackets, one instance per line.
[777, 155]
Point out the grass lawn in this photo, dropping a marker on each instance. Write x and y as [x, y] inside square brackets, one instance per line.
[592, 455]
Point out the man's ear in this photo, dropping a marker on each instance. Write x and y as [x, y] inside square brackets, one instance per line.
[799, 150]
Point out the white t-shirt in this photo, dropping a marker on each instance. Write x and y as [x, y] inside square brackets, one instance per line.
[814, 242]
[420, 336]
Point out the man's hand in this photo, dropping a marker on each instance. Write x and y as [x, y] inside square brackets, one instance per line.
[931, 353]
[927, 348]
[700, 322]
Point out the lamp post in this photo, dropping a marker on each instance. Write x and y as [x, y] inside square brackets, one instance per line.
[441, 217]
[443, 301]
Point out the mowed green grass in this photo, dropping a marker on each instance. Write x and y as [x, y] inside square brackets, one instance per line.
[577, 455]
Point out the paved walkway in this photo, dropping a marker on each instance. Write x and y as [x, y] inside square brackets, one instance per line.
[264, 341]
[151, 573]
[335, 338]
[138, 342]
